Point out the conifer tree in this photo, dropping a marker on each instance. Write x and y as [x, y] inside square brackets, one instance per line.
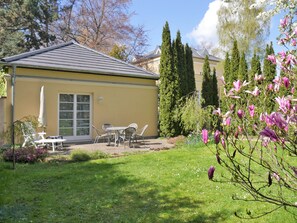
[227, 68]
[215, 92]
[190, 69]
[235, 59]
[269, 69]
[243, 68]
[255, 68]
[206, 91]
[168, 85]
[179, 68]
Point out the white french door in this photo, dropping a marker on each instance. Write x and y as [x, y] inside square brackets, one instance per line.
[74, 116]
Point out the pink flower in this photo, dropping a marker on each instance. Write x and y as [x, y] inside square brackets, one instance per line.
[269, 133]
[293, 43]
[282, 54]
[240, 113]
[210, 172]
[227, 121]
[252, 110]
[205, 136]
[284, 104]
[286, 82]
[272, 59]
[284, 22]
[223, 143]
[259, 78]
[276, 176]
[270, 87]
[255, 92]
[217, 136]
[237, 85]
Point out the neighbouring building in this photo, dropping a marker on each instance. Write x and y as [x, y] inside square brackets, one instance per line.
[82, 88]
[151, 62]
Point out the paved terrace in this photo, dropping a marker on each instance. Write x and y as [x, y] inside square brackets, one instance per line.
[140, 146]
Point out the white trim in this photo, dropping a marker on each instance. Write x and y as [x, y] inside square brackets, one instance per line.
[85, 82]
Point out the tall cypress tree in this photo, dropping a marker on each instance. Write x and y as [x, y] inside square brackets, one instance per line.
[179, 68]
[190, 69]
[243, 68]
[269, 69]
[215, 91]
[255, 68]
[206, 91]
[168, 84]
[227, 68]
[235, 59]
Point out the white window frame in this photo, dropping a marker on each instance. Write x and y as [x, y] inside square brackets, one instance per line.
[74, 137]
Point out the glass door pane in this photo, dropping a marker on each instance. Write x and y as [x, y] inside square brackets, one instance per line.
[74, 115]
[83, 115]
[66, 114]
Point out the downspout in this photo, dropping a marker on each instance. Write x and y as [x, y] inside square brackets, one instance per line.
[13, 76]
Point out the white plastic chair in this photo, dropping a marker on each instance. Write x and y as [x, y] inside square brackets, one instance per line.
[140, 133]
[134, 125]
[99, 135]
[29, 134]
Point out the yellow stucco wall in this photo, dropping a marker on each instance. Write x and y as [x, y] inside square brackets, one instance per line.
[116, 100]
[153, 65]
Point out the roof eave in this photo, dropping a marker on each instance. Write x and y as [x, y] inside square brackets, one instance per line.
[156, 77]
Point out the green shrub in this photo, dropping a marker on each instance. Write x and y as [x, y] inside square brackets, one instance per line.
[80, 156]
[98, 155]
[26, 155]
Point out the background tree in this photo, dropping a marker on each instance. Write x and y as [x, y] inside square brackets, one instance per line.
[168, 85]
[215, 91]
[269, 69]
[25, 25]
[243, 68]
[255, 67]
[119, 52]
[234, 62]
[100, 24]
[238, 21]
[206, 91]
[189, 70]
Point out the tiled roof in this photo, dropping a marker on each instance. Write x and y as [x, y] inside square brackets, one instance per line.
[196, 53]
[74, 57]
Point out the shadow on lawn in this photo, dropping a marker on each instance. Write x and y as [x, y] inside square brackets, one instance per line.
[100, 192]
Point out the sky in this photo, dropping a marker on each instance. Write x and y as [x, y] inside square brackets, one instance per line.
[195, 19]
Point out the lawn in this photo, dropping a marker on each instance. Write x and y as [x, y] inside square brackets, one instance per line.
[164, 186]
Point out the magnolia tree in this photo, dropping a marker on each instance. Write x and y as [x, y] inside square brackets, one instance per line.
[259, 149]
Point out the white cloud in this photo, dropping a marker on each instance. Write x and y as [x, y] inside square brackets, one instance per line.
[205, 33]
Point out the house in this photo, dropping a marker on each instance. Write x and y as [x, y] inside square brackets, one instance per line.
[82, 87]
[151, 62]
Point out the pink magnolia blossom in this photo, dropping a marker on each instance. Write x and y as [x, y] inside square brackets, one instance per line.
[255, 92]
[284, 104]
[286, 82]
[223, 80]
[284, 22]
[217, 136]
[210, 172]
[205, 136]
[259, 78]
[237, 85]
[252, 110]
[293, 42]
[272, 59]
[269, 133]
[227, 121]
[240, 113]
[270, 87]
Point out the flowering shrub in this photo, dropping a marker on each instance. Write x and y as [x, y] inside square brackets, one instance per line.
[259, 148]
[26, 155]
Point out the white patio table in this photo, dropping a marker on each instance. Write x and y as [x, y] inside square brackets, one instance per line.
[52, 141]
[117, 130]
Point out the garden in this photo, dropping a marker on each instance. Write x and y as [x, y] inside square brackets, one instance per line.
[164, 186]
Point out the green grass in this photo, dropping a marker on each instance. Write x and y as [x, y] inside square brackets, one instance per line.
[165, 186]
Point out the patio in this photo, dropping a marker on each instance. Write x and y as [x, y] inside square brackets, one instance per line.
[140, 146]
